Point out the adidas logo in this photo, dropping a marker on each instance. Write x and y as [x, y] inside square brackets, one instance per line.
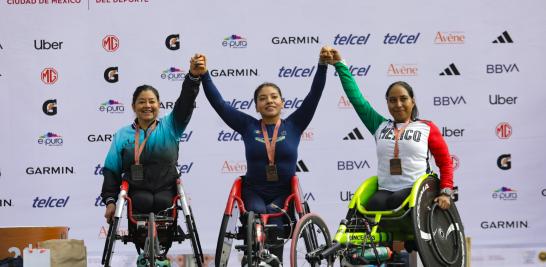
[503, 38]
[354, 135]
[451, 70]
[301, 167]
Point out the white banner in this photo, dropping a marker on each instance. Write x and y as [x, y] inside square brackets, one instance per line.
[69, 67]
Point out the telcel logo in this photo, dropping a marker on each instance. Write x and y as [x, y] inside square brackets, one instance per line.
[401, 38]
[228, 136]
[98, 202]
[351, 39]
[50, 202]
[357, 71]
[297, 72]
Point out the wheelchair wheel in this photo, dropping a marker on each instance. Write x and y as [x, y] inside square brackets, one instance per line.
[439, 233]
[110, 242]
[310, 237]
[194, 237]
[151, 241]
[228, 231]
[250, 240]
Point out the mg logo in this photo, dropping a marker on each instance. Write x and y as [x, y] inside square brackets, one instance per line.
[504, 130]
[49, 76]
[110, 43]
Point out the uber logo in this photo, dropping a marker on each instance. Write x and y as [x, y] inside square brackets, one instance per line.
[501, 100]
[504, 162]
[45, 45]
[452, 132]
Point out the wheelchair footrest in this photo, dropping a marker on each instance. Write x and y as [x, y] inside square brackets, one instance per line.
[240, 247]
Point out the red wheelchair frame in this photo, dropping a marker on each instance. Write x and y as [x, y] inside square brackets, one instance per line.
[254, 230]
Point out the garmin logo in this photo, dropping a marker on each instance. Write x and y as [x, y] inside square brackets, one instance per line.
[93, 138]
[50, 170]
[234, 72]
[504, 224]
[291, 40]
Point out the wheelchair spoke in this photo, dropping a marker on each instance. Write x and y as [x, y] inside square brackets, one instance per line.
[110, 242]
[228, 232]
[310, 238]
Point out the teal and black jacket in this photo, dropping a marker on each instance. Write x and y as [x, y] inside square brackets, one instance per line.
[160, 155]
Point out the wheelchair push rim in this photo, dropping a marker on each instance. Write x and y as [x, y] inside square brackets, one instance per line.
[311, 236]
[228, 232]
[110, 242]
[439, 233]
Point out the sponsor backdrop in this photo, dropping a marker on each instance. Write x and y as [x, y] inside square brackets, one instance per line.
[68, 69]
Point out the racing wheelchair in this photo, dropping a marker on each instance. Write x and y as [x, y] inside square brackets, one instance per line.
[240, 224]
[365, 237]
[153, 234]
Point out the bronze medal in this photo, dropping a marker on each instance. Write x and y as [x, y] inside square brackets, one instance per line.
[137, 172]
[396, 166]
[271, 173]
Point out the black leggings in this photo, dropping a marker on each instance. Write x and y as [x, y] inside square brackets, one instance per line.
[147, 201]
[387, 200]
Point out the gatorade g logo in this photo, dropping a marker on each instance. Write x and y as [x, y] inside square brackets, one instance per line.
[50, 107]
[173, 42]
[504, 162]
[111, 75]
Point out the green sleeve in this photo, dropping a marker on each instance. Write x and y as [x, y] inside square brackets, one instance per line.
[367, 114]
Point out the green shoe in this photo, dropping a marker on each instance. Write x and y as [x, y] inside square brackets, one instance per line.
[163, 263]
[142, 262]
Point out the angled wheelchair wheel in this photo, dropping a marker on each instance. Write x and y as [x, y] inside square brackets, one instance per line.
[310, 238]
[439, 233]
[194, 237]
[152, 245]
[110, 242]
[251, 240]
[228, 232]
